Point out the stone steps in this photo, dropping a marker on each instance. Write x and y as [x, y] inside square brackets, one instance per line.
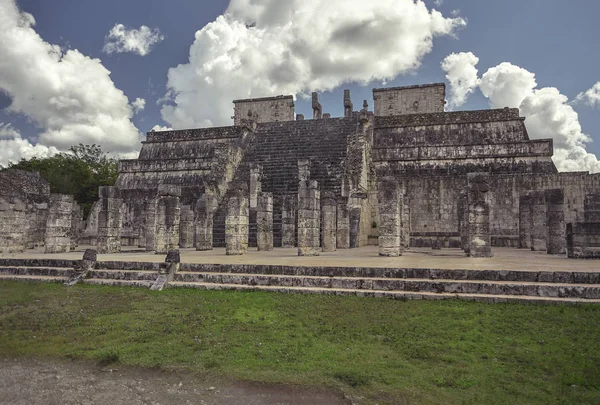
[37, 271]
[123, 275]
[33, 278]
[385, 294]
[440, 286]
[121, 283]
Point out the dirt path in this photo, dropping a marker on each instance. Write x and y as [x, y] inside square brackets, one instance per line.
[53, 382]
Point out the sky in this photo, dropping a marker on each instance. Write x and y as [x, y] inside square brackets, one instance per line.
[107, 72]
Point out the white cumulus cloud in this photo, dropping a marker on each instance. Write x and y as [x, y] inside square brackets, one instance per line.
[138, 105]
[591, 96]
[13, 147]
[547, 111]
[159, 128]
[140, 41]
[68, 95]
[461, 74]
[269, 47]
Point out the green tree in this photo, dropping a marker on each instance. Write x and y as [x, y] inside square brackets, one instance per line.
[78, 172]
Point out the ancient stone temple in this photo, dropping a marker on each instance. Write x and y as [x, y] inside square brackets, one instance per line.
[407, 142]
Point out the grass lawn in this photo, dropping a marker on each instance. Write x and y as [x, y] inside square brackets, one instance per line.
[390, 352]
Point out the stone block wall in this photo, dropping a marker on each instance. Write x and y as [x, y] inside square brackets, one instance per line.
[583, 240]
[421, 99]
[267, 109]
[14, 225]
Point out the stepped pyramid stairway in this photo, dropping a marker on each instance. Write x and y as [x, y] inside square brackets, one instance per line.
[277, 147]
[565, 287]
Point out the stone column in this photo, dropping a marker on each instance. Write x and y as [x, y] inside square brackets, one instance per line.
[390, 217]
[343, 224]
[58, 225]
[556, 239]
[354, 227]
[404, 223]
[264, 222]
[168, 217]
[13, 226]
[329, 221]
[236, 225]
[538, 221]
[309, 218]
[479, 215]
[525, 221]
[110, 220]
[74, 226]
[150, 224]
[463, 221]
[255, 183]
[288, 221]
[204, 222]
[186, 228]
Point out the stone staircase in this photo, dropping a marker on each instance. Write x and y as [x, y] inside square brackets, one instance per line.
[134, 274]
[558, 287]
[36, 270]
[429, 284]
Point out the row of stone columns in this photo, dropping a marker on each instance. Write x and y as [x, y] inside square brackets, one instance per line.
[542, 221]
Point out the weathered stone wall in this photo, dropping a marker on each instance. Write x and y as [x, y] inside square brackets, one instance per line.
[591, 207]
[420, 99]
[267, 109]
[583, 240]
[34, 193]
[14, 226]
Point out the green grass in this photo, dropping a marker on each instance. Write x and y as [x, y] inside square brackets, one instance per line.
[388, 351]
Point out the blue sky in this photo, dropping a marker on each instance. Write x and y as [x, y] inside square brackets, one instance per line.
[555, 40]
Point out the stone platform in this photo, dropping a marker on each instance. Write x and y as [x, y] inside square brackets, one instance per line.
[421, 258]
[511, 275]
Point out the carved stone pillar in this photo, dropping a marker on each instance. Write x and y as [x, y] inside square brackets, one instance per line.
[236, 225]
[556, 239]
[288, 221]
[343, 224]
[168, 217]
[110, 220]
[479, 215]
[264, 222]
[186, 227]
[525, 221]
[538, 221]
[329, 221]
[58, 225]
[309, 218]
[204, 222]
[390, 217]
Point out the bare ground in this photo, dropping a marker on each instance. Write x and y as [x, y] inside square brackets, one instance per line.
[48, 382]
